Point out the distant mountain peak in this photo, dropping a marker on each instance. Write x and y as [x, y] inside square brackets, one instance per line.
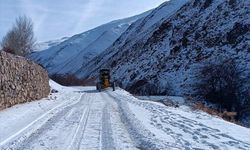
[68, 55]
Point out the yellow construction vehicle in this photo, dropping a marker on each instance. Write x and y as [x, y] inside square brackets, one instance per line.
[104, 80]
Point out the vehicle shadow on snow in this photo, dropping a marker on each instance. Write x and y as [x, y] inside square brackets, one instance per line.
[88, 91]
[91, 91]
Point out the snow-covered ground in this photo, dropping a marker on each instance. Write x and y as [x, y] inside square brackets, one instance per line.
[82, 118]
[179, 128]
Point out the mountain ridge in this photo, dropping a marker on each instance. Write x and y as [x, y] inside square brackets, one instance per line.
[199, 31]
[79, 49]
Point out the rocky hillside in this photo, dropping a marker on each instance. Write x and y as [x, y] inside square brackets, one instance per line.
[164, 57]
[21, 80]
[137, 31]
[71, 54]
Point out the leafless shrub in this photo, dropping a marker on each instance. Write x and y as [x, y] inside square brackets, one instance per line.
[148, 87]
[219, 83]
[203, 107]
[20, 39]
[229, 116]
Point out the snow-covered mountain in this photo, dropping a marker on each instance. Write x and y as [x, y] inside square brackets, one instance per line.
[46, 45]
[67, 56]
[159, 53]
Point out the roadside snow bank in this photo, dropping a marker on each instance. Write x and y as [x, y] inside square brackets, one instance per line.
[60, 88]
[17, 119]
[174, 100]
[156, 126]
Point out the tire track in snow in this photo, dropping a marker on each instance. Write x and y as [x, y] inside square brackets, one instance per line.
[121, 138]
[79, 133]
[57, 129]
[107, 139]
[24, 133]
[141, 136]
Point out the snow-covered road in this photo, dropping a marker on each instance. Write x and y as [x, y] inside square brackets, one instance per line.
[83, 118]
[89, 121]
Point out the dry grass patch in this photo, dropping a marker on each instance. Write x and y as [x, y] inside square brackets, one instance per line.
[228, 116]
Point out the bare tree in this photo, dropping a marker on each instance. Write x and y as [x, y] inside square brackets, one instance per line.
[220, 83]
[20, 39]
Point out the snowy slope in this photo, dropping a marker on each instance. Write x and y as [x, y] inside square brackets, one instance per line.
[86, 119]
[163, 58]
[133, 36]
[75, 52]
[46, 45]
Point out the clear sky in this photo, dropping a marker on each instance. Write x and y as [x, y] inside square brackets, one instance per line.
[54, 19]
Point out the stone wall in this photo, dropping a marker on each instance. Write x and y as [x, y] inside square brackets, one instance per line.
[21, 80]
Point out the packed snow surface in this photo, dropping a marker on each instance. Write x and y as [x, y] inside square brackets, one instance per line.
[82, 118]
